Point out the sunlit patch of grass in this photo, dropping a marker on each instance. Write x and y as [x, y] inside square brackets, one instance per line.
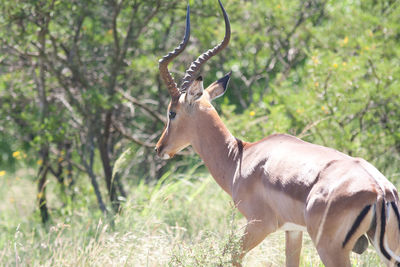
[183, 220]
[16, 199]
[271, 252]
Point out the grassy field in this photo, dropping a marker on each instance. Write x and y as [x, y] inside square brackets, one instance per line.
[179, 221]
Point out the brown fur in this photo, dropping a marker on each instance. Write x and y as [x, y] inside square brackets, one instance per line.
[282, 179]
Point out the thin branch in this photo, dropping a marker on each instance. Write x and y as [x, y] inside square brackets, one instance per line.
[75, 119]
[136, 102]
[371, 64]
[310, 126]
[116, 11]
[123, 132]
[130, 137]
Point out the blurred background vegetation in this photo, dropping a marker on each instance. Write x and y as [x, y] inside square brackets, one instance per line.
[79, 86]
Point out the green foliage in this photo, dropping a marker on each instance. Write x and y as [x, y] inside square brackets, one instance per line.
[342, 93]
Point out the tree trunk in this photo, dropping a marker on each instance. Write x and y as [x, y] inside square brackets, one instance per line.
[42, 175]
[103, 141]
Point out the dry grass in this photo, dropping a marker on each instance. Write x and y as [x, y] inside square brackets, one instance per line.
[179, 222]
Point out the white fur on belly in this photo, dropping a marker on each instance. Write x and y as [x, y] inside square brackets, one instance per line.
[292, 227]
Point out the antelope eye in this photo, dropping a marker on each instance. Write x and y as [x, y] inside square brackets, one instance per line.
[172, 115]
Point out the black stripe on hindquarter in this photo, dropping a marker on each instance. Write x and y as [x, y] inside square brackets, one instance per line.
[356, 224]
[396, 211]
[382, 233]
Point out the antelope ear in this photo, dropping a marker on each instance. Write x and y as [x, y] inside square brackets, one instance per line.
[195, 91]
[218, 88]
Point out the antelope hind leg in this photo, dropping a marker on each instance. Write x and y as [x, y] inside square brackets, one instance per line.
[361, 245]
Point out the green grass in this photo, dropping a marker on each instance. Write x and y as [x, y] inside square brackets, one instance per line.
[179, 221]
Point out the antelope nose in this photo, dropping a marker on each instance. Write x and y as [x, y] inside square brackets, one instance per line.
[158, 149]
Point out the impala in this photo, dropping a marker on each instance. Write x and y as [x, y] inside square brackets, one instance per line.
[282, 182]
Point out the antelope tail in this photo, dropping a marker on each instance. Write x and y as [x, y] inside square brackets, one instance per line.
[387, 226]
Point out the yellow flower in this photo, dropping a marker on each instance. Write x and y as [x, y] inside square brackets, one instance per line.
[40, 195]
[16, 154]
[278, 6]
[2, 173]
[252, 113]
[315, 60]
[335, 65]
[39, 162]
[344, 63]
[316, 84]
[345, 40]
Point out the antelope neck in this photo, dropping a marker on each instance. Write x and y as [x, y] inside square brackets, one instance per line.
[218, 148]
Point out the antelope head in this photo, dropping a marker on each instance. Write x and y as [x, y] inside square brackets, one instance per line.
[190, 103]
